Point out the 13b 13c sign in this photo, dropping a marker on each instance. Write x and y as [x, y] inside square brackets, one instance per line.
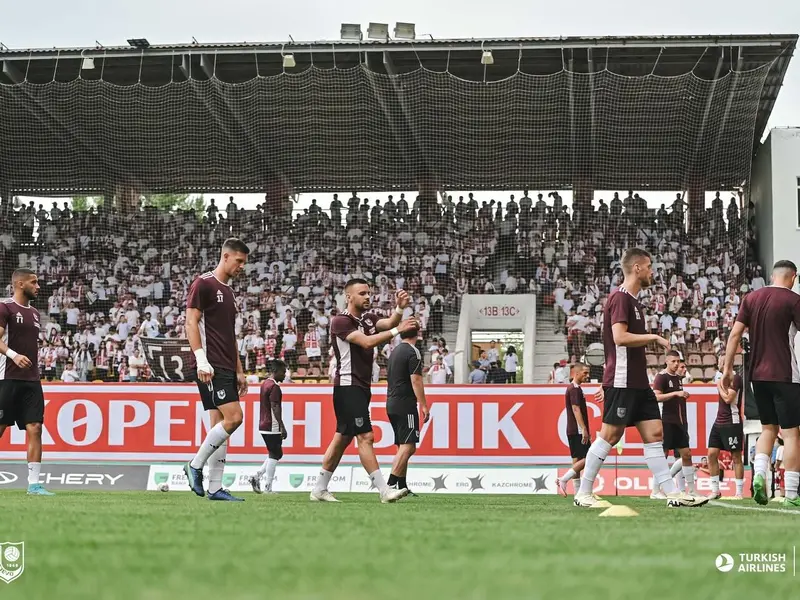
[501, 425]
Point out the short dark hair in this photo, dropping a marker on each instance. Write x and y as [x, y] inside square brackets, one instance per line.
[674, 353]
[22, 273]
[785, 264]
[580, 365]
[355, 281]
[631, 256]
[409, 334]
[276, 365]
[235, 245]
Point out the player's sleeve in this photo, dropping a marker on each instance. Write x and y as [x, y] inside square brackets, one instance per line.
[618, 309]
[3, 315]
[658, 383]
[796, 311]
[575, 396]
[737, 382]
[414, 362]
[744, 313]
[196, 297]
[341, 327]
[275, 395]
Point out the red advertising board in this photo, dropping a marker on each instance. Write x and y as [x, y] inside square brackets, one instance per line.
[502, 425]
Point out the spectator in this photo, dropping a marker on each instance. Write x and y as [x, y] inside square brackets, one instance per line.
[511, 364]
[136, 364]
[478, 373]
[439, 371]
[70, 375]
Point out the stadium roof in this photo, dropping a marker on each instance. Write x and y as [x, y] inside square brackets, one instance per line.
[223, 117]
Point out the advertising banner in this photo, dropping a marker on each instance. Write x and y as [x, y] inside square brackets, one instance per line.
[293, 478]
[469, 425]
[77, 477]
[628, 481]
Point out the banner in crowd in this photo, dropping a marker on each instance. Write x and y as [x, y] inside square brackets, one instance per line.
[167, 357]
[469, 425]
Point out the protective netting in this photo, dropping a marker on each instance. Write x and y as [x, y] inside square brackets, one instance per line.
[552, 141]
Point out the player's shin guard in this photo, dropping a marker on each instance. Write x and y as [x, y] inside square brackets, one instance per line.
[595, 457]
[216, 467]
[657, 463]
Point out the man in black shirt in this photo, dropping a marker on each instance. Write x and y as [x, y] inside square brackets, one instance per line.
[405, 389]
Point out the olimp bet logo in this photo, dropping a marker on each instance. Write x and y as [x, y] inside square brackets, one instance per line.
[12, 560]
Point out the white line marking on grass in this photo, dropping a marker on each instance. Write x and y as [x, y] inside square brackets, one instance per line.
[783, 511]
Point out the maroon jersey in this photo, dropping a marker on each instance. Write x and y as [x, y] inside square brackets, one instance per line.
[574, 397]
[731, 414]
[21, 333]
[271, 396]
[625, 367]
[772, 315]
[353, 363]
[672, 411]
[217, 323]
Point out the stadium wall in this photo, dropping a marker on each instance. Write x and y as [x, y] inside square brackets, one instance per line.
[505, 426]
[775, 191]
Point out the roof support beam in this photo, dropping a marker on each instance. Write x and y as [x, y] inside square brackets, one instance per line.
[11, 72]
[186, 65]
[208, 64]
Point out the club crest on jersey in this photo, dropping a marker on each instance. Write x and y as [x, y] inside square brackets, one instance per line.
[221, 394]
[220, 297]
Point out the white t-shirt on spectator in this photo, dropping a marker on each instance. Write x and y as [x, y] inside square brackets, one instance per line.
[70, 375]
[289, 341]
[72, 316]
[511, 363]
[135, 364]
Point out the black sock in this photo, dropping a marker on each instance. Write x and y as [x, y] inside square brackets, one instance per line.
[401, 483]
[392, 479]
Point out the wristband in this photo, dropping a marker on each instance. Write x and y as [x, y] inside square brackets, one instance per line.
[202, 361]
[398, 311]
[394, 331]
[11, 354]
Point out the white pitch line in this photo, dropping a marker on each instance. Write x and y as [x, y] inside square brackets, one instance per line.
[783, 511]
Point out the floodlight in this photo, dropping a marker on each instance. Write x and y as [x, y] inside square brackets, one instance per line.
[405, 31]
[88, 64]
[378, 31]
[288, 61]
[487, 58]
[138, 43]
[351, 31]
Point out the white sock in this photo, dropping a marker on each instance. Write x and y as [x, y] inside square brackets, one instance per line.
[567, 476]
[216, 468]
[272, 464]
[33, 472]
[378, 481]
[688, 475]
[715, 483]
[657, 463]
[595, 457]
[323, 480]
[680, 481]
[263, 469]
[791, 479]
[760, 464]
[215, 438]
[739, 486]
[675, 468]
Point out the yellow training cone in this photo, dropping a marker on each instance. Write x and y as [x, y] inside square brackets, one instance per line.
[619, 511]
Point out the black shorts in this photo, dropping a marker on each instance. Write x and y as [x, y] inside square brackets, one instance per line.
[274, 443]
[406, 428]
[21, 402]
[577, 449]
[351, 405]
[675, 436]
[222, 389]
[778, 403]
[628, 406]
[727, 437]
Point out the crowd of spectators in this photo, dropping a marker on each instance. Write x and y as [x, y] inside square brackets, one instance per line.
[110, 277]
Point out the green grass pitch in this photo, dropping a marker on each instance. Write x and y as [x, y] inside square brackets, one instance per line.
[153, 545]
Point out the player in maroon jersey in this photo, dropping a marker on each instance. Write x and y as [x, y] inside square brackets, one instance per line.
[772, 316]
[727, 434]
[628, 398]
[579, 436]
[271, 427]
[216, 366]
[354, 335]
[669, 391]
[21, 396]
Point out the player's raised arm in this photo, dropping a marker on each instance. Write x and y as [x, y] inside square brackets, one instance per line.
[394, 320]
[359, 338]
